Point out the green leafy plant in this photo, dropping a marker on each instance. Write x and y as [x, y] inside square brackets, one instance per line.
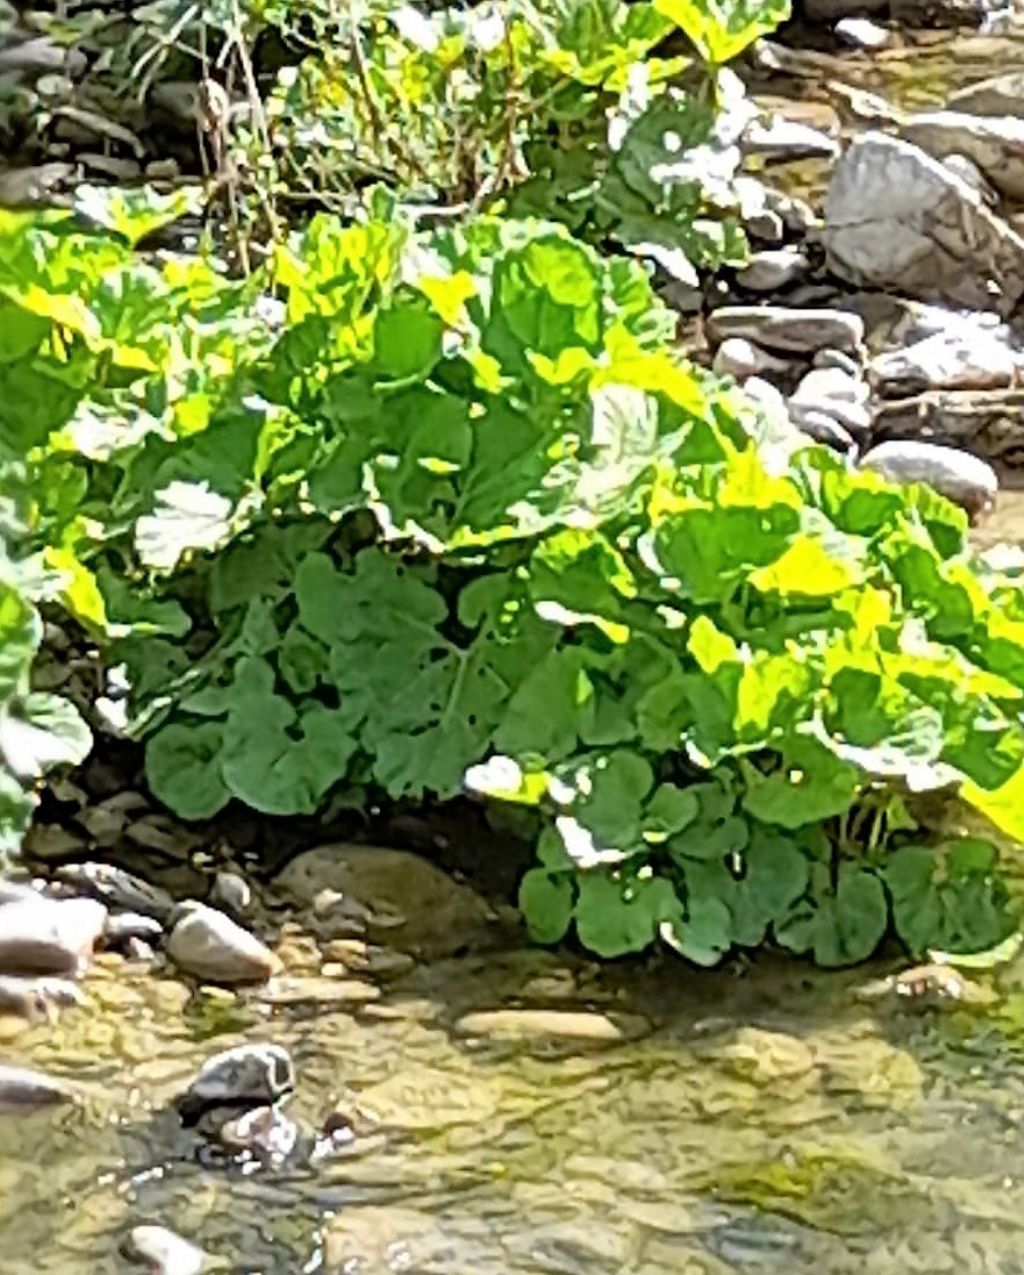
[448, 511]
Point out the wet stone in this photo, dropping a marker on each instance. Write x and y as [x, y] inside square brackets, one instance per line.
[232, 893]
[862, 33]
[49, 936]
[131, 925]
[250, 1075]
[211, 946]
[929, 985]
[265, 1133]
[564, 1024]
[24, 1089]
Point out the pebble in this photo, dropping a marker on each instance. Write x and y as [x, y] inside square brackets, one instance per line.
[964, 479]
[232, 893]
[49, 936]
[210, 945]
[254, 1075]
[22, 1089]
[773, 269]
[800, 331]
[164, 1252]
[742, 359]
[118, 888]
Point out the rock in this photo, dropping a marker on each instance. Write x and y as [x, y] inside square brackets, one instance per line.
[246, 1076]
[121, 170]
[836, 10]
[999, 95]
[766, 1057]
[366, 1239]
[835, 393]
[898, 219]
[49, 936]
[772, 269]
[962, 357]
[783, 140]
[971, 175]
[164, 1252]
[209, 945]
[836, 358]
[825, 429]
[36, 997]
[131, 925]
[862, 33]
[408, 903]
[929, 985]
[232, 893]
[994, 143]
[986, 422]
[22, 1089]
[742, 359]
[565, 1024]
[264, 1133]
[942, 13]
[789, 329]
[118, 888]
[16, 891]
[320, 989]
[766, 226]
[964, 479]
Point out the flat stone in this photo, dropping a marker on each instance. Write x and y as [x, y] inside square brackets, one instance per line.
[766, 1057]
[772, 269]
[210, 945]
[49, 936]
[320, 989]
[164, 1252]
[786, 328]
[960, 477]
[835, 393]
[23, 1089]
[994, 143]
[401, 900]
[989, 423]
[742, 359]
[250, 1075]
[782, 140]
[118, 888]
[962, 357]
[565, 1024]
[998, 95]
[898, 219]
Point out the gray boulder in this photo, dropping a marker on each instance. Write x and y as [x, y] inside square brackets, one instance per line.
[994, 143]
[210, 945]
[962, 478]
[787, 328]
[898, 219]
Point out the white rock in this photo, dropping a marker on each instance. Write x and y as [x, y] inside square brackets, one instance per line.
[208, 944]
[774, 268]
[960, 477]
[800, 331]
[742, 359]
[49, 936]
[898, 219]
[862, 33]
[164, 1252]
[994, 143]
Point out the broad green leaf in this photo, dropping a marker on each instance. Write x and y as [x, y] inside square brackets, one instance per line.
[183, 768]
[722, 28]
[546, 901]
[38, 732]
[616, 917]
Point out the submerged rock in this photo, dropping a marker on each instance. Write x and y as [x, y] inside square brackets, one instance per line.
[964, 479]
[798, 331]
[255, 1075]
[22, 1089]
[565, 1024]
[398, 898]
[164, 1252]
[898, 219]
[210, 945]
[49, 936]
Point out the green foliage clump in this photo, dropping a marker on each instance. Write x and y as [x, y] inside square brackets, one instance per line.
[418, 511]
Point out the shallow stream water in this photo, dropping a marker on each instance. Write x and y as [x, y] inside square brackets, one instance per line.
[759, 1120]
